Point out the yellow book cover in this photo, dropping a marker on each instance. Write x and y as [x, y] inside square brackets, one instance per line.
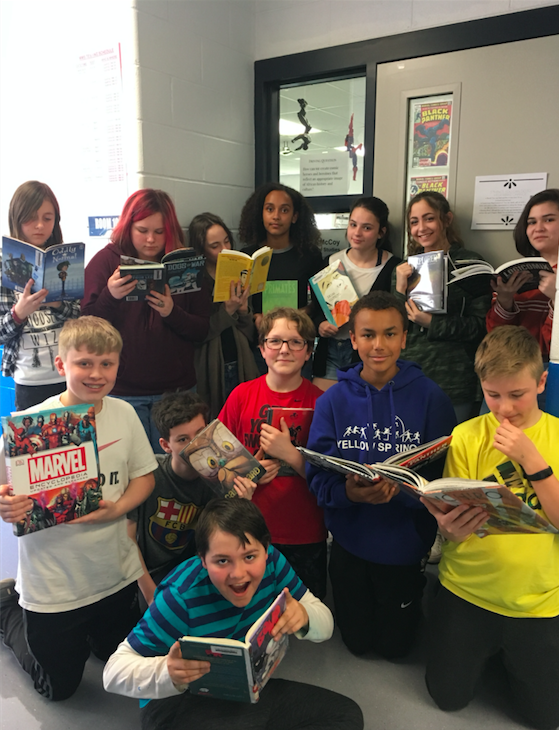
[252, 271]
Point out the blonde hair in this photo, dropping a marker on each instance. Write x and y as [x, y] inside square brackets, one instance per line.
[302, 321]
[506, 351]
[95, 334]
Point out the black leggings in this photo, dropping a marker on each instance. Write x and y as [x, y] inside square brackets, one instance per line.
[462, 637]
[283, 705]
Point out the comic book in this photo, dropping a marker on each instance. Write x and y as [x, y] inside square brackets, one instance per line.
[431, 134]
[335, 292]
[51, 456]
[60, 269]
[239, 669]
[482, 270]
[508, 514]
[252, 271]
[427, 284]
[217, 455]
[180, 269]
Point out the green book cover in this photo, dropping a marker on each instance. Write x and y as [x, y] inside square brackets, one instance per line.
[279, 294]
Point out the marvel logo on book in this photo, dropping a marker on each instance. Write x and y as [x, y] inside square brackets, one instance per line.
[60, 464]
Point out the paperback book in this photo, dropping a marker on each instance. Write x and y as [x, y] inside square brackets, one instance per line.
[59, 269]
[481, 273]
[251, 271]
[427, 284]
[507, 513]
[334, 292]
[179, 269]
[239, 669]
[217, 455]
[51, 456]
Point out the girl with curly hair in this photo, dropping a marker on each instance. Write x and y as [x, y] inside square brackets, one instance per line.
[280, 217]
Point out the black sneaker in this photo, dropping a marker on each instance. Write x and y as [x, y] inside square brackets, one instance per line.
[7, 590]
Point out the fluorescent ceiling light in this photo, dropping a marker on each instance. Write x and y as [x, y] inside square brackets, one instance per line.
[288, 128]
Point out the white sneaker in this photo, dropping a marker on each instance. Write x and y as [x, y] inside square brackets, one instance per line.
[436, 550]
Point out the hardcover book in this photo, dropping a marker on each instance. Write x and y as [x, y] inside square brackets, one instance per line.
[335, 292]
[179, 269]
[298, 421]
[239, 669]
[51, 456]
[216, 454]
[60, 269]
[508, 514]
[427, 284]
[251, 271]
[483, 271]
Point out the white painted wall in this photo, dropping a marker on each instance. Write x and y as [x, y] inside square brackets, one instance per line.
[195, 80]
[293, 26]
[49, 109]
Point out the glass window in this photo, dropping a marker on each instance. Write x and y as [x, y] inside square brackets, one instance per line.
[322, 129]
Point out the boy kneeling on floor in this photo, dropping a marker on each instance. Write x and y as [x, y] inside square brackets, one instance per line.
[234, 579]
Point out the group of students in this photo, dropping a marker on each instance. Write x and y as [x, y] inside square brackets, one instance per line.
[247, 550]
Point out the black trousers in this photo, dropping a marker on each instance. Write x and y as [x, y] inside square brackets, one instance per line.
[283, 705]
[462, 637]
[54, 647]
[377, 607]
[309, 562]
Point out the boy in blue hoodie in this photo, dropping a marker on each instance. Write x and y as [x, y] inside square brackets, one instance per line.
[379, 407]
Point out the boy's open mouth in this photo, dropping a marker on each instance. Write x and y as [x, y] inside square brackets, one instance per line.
[239, 588]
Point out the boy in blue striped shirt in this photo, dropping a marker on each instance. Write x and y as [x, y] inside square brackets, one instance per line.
[221, 593]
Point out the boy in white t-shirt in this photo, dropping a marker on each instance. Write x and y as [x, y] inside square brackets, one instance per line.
[76, 581]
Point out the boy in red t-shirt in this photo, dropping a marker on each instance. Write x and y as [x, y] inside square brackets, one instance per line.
[286, 338]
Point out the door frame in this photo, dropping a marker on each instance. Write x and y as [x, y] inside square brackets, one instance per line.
[362, 58]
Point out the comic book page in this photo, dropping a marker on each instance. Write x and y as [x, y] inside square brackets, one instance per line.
[51, 456]
[431, 134]
[218, 456]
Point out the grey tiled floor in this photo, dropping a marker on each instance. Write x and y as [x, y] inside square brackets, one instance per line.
[391, 695]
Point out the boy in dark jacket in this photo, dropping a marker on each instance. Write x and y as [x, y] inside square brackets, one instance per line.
[379, 407]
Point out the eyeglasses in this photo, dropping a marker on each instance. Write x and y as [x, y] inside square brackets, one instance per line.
[274, 343]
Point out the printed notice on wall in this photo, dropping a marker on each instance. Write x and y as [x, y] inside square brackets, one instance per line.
[325, 174]
[500, 199]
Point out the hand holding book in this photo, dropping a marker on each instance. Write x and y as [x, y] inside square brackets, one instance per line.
[184, 671]
[461, 522]
[294, 617]
[361, 490]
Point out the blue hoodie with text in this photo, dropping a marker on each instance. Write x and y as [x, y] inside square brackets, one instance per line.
[356, 421]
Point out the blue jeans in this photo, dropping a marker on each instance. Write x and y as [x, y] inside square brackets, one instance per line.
[339, 356]
[143, 404]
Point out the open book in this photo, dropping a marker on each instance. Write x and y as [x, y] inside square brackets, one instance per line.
[508, 514]
[51, 456]
[239, 669]
[252, 271]
[427, 284]
[468, 268]
[178, 268]
[60, 269]
[414, 457]
[334, 292]
[219, 457]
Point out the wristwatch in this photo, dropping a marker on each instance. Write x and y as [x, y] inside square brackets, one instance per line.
[539, 475]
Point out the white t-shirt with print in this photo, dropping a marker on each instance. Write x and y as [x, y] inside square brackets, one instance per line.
[363, 280]
[69, 566]
[38, 347]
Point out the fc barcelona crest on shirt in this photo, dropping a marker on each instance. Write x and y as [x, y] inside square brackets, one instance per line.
[173, 522]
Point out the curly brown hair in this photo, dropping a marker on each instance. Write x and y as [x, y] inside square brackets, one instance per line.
[440, 206]
[304, 236]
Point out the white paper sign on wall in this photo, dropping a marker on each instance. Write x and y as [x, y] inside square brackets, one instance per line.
[324, 174]
[500, 199]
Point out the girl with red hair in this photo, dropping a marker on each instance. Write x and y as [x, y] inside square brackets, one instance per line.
[159, 334]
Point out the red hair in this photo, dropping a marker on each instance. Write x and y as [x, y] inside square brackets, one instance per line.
[140, 205]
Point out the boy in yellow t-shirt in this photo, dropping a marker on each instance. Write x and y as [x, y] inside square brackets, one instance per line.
[488, 585]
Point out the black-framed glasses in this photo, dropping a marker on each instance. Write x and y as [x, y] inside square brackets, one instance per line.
[275, 343]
